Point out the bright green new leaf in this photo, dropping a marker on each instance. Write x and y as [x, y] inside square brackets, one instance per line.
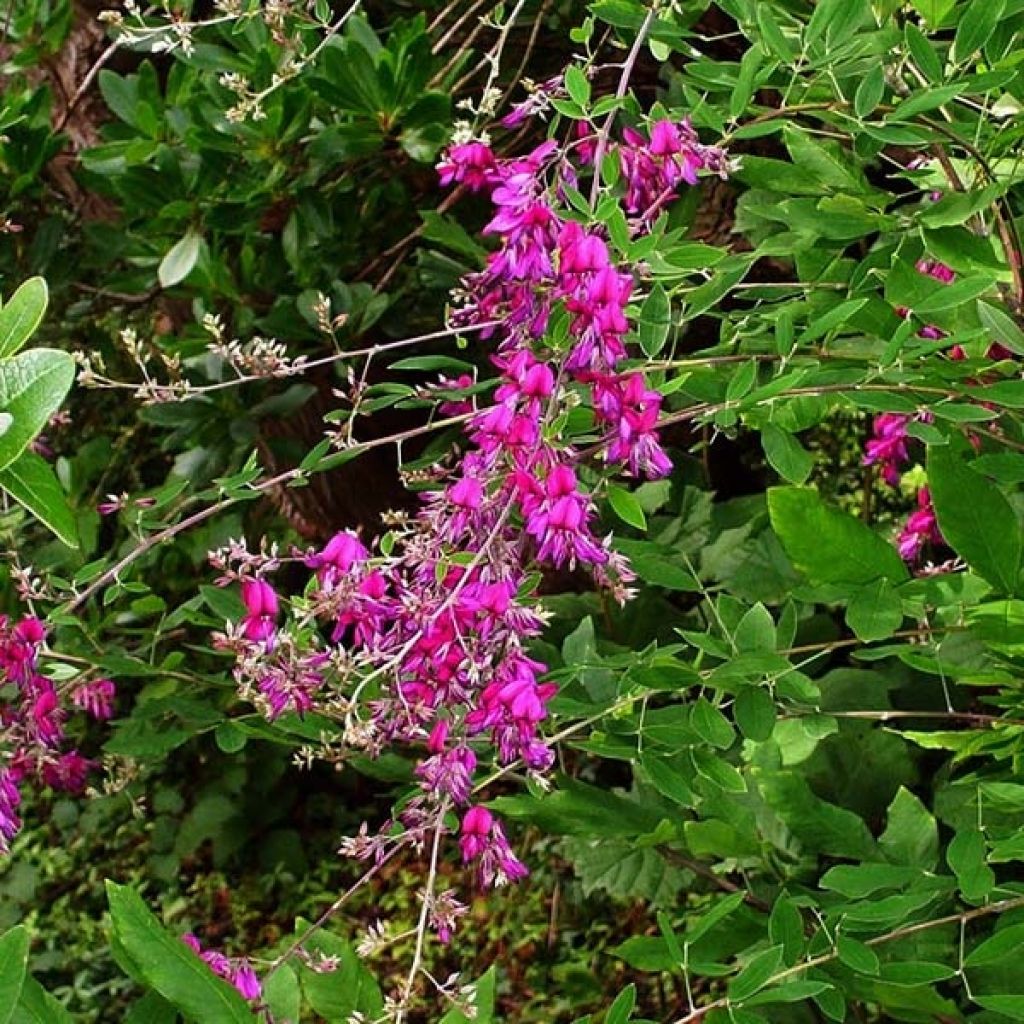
[22, 315]
[37, 1006]
[33, 484]
[626, 506]
[32, 386]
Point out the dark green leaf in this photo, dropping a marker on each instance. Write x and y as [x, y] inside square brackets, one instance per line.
[827, 545]
[975, 518]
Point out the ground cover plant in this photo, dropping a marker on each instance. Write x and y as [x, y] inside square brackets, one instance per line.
[512, 511]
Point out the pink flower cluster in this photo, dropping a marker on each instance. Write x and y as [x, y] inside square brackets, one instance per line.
[238, 972]
[32, 720]
[887, 447]
[425, 642]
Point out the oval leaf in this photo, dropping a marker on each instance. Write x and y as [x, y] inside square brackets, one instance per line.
[179, 261]
[170, 966]
[32, 386]
[31, 482]
[22, 315]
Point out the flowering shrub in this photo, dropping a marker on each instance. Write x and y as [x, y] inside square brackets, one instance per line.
[623, 627]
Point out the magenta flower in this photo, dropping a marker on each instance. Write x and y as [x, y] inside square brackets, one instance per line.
[260, 622]
[470, 163]
[888, 446]
[920, 528]
[96, 697]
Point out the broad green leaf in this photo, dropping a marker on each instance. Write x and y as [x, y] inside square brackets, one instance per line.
[827, 545]
[754, 711]
[718, 772]
[37, 1006]
[786, 455]
[179, 260]
[282, 994]
[966, 856]
[170, 966]
[33, 484]
[874, 611]
[975, 518]
[911, 836]
[1004, 943]
[32, 386]
[22, 315]
[756, 974]
[825, 163]
[977, 23]
[337, 995]
[856, 955]
[152, 1008]
[13, 961]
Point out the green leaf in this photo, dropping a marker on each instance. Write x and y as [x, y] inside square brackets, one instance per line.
[911, 836]
[870, 91]
[756, 974]
[179, 260]
[975, 518]
[37, 1006]
[33, 484]
[339, 994]
[622, 1009]
[856, 955]
[627, 506]
[13, 962]
[654, 321]
[32, 386]
[1008, 1006]
[977, 23]
[1002, 327]
[711, 725]
[827, 545]
[483, 1004]
[577, 85]
[718, 772]
[923, 52]
[170, 967]
[22, 315]
[786, 927]
[875, 611]
[1004, 943]
[956, 294]
[966, 856]
[754, 712]
[786, 455]
[282, 994]
[826, 164]
[718, 913]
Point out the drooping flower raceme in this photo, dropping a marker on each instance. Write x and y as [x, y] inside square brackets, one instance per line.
[425, 641]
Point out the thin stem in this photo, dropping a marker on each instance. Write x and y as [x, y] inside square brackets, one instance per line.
[900, 933]
[421, 927]
[620, 91]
